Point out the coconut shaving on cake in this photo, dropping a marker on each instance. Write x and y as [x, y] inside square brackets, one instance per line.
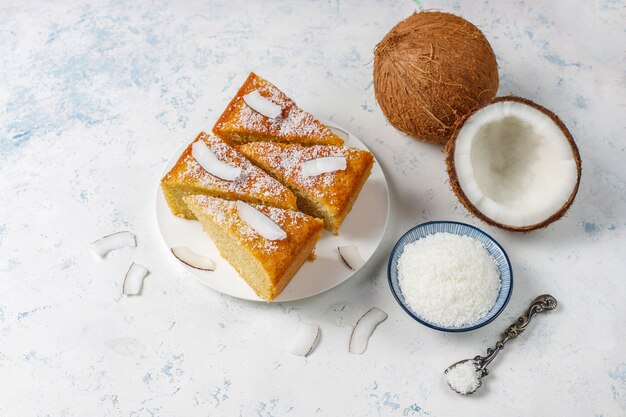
[448, 280]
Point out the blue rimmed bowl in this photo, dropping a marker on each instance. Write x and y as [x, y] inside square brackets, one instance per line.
[461, 229]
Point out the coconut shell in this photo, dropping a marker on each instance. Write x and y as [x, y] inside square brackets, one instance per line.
[430, 70]
[458, 191]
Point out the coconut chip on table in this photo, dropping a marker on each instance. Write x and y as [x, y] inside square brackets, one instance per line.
[305, 340]
[101, 247]
[364, 328]
[133, 280]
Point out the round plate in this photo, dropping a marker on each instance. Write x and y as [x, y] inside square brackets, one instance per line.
[364, 227]
[461, 229]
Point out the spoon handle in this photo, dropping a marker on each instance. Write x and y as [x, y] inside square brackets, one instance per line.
[540, 304]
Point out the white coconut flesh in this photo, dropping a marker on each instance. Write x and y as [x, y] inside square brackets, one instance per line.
[514, 164]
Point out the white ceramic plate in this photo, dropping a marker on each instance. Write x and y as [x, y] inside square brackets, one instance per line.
[364, 226]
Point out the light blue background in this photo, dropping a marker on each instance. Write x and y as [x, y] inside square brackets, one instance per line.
[95, 96]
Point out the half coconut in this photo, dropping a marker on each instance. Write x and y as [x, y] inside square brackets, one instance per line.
[513, 164]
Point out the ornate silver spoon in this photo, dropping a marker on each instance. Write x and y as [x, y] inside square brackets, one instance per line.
[466, 380]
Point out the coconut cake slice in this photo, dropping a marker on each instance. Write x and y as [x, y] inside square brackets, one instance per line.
[243, 120]
[267, 265]
[329, 195]
[188, 177]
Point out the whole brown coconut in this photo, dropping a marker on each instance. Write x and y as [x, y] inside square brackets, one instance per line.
[430, 70]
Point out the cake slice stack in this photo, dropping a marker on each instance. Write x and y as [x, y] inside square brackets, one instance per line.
[240, 185]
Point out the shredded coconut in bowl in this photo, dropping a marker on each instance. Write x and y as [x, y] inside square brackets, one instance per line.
[448, 280]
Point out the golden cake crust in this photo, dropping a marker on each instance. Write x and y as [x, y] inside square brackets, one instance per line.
[188, 177]
[280, 259]
[241, 124]
[334, 193]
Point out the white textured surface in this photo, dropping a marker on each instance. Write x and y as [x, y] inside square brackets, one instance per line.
[94, 97]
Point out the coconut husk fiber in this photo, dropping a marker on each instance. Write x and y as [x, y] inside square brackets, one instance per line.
[430, 70]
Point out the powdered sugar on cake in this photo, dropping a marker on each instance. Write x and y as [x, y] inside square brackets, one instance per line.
[293, 122]
[253, 180]
[288, 160]
[224, 213]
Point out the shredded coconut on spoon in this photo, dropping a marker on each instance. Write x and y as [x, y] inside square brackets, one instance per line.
[463, 377]
[448, 280]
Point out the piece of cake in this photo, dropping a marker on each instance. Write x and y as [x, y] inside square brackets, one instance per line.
[267, 265]
[241, 123]
[329, 195]
[188, 177]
